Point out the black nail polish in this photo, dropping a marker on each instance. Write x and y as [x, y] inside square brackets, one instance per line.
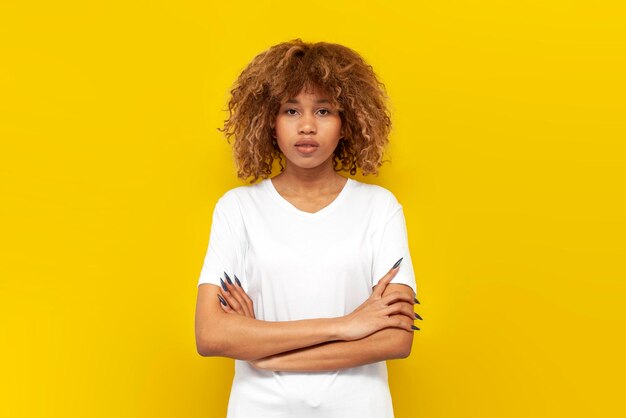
[228, 278]
[237, 281]
[223, 285]
[417, 315]
[414, 327]
[397, 263]
[222, 301]
[417, 301]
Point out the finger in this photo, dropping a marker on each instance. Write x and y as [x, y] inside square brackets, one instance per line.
[383, 282]
[397, 307]
[235, 293]
[236, 290]
[397, 297]
[400, 321]
[232, 302]
[224, 305]
[380, 287]
[402, 308]
[245, 296]
[242, 298]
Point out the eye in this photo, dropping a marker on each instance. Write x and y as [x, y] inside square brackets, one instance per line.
[324, 112]
[291, 111]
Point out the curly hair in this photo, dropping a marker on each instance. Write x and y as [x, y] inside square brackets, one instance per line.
[280, 73]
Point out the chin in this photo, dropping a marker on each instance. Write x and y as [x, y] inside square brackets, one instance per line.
[308, 163]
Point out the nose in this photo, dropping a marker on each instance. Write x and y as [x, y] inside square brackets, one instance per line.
[307, 125]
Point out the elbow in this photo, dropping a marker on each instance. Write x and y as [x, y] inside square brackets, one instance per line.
[211, 347]
[208, 346]
[396, 343]
[404, 350]
[402, 344]
[204, 348]
[210, 338]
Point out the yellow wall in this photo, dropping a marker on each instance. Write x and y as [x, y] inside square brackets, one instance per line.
[508, 156]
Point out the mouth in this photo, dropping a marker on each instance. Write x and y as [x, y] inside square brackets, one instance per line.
[307, 141]
[306, 146]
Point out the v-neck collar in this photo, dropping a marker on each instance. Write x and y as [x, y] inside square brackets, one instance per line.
[311, 215]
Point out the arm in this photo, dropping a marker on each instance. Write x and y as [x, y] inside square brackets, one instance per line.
[255, 339]
[386, 344]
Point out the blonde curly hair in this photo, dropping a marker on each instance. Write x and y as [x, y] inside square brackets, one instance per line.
[281, 73]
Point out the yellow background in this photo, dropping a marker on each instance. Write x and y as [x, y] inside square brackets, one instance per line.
[507, 155]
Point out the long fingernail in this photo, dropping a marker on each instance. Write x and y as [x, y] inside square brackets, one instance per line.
[417, 316]
[223, 285]
[414, 327]
[228, 278]
[395, 266]
[237, 281]
[417, 301]
[222, 301]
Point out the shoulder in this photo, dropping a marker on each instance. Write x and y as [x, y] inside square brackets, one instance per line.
[237, 197]
[377, 196]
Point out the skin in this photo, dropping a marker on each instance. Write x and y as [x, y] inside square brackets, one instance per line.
[385, 344]
[379, 329]
[308, 181]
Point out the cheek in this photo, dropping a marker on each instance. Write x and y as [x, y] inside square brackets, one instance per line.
[338, 132]
[281, 139]
[280, 128]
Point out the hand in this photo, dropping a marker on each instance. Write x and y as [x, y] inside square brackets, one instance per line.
[394, 310]
[235, 298]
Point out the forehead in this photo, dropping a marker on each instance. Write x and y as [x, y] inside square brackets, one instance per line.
[309, 94]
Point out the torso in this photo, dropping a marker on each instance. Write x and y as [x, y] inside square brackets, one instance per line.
[296, 262]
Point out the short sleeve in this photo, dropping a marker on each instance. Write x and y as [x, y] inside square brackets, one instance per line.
[226, 244]
[391, 245]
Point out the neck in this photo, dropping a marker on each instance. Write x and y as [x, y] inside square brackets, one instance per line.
[318, 178]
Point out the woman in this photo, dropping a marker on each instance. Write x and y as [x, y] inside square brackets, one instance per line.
[307, 281]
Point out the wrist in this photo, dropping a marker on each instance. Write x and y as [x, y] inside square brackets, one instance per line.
[338, 328]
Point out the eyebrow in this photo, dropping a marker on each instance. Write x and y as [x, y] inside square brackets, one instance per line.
[317, 101]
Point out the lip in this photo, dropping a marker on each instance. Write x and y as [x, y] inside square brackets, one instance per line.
[306, 146]
[308, 142]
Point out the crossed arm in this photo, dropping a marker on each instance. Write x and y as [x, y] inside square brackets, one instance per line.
[386, 344]
[380, 329]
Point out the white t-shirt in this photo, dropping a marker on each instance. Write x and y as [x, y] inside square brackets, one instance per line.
[299, 265]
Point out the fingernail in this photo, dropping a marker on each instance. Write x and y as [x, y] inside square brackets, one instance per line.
[223, 285]
[222, 301]
[414, 327]
[395, 266]
[237, 281]
[417, 301]
[228, 278]
[417, 315]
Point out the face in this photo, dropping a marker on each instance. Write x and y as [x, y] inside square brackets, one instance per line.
[308, 129]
